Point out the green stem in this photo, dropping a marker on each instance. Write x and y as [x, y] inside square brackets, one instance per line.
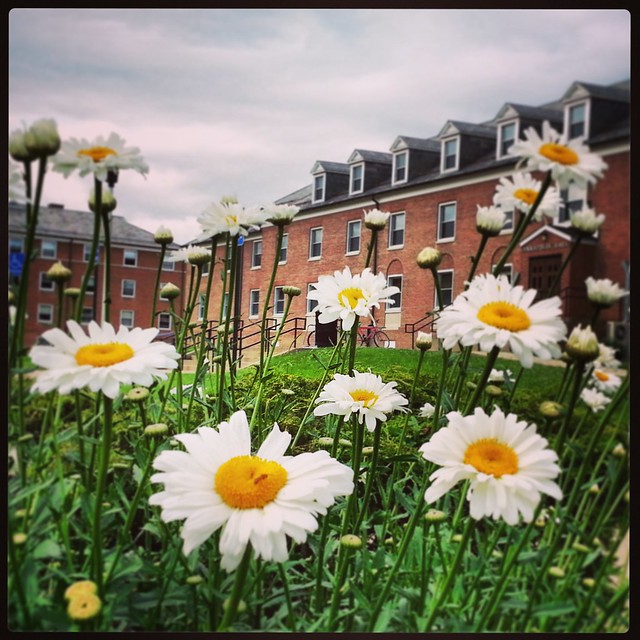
[287, 595]
[556, 280]
[492, 356]
[371, 247]
[236, 593]
[156, 293]
[106, 225]
[370, 475]
[81, 451]
[476, 260]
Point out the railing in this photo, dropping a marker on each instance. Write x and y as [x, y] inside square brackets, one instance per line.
[427, 321]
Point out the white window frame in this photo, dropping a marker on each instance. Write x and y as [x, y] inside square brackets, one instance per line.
[575, 194]
[127, 295]
[278, 298]
[392, 218]
[441, 208]
[254, 300]
[507, 270]
[51, 243]
[312, 244]
[395, 308]
[500, 142]
[443, 156]
[123, 314]
[319, 185]
[165, 314]
[351, 224]
[352, 178]
[510, 219]
[311, 304]
[256, 256]
[83, 319]
[168, 265]
[45, 313]
[435, 293]
[396, 168]
[133, 252]
[86, 249]
[284, 249]
[587, 118]
[45, 283]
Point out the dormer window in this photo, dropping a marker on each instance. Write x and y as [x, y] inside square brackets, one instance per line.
[357, 178]
[450, 154]
[576, 120]
[400, 161]
[507, 134]
[318, 187]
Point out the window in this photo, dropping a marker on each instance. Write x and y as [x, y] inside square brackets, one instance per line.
[205, 269]
[91, 285]
[318, 187]
[506, 137]
[256, 254]
[311, 304]
[283, 249]
[353, 236]
[86, 250]
[577, 120]
[446, 288]
[396, 230]
[164, 321]
[572, 199]
[16, 245]
[507, 270]
[225, 304]
[48, 249]
[128, 288]
[87, 315]
[400, 167]
[126, 318]
[395, 281]
[168, 265]
[315, 243]
[278, 301]
[508, 222]
[357, 175]
[201, 309]
[45, 313]
[130, 258]
[254, 303]
[447, 221]
[46, 284]
[450, 154]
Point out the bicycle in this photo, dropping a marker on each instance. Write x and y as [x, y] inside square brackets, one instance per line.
[368, 336]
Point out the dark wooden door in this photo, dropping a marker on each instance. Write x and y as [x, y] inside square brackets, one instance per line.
[542, 273]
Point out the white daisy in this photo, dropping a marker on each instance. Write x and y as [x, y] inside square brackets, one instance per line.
[16, 184]
[102, 360]
[257, 499]
[490, 220]
[98, 157]
[230, 217]
[499, 375]
[587, 221]
[346, 296]
[493, 313]
[192, 254]
[427, 410]
[567, 160]
[607, 357]
[605, 381]
[376, 219]
[363, 394]
[281, 214]
[594, 399]
[604, 292]
[521, 192]
[507, 463]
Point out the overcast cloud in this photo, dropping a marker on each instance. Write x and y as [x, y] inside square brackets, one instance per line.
[244, 101]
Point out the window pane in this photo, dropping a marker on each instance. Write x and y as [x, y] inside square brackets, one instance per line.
[318, 188]
[126, 318]
[356, 178]
[164, 321]
[45, 313]
[353, 236]
[507, 137]
[446, 287]
[130, 257]
[450, 154]
[315, 243]
[46, 284]
[396, 230]
[447, 223]
[256, 256]
[311, 304]
[48, 248]
[395, 281]
[129, 288]
[577, 121]
[278, 301]
[254, 302]
[401, 167]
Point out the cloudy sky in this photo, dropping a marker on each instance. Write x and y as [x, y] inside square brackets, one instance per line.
[244, 101]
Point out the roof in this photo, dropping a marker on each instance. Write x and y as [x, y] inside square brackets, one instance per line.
[469, 129]
[422, 144]
[330, 167]
[56, 222]
[301, 196]
[359, 155]
[531, 113]
[615, 93]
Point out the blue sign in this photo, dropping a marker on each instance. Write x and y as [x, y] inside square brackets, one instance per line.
[240, 240]
[16, 263]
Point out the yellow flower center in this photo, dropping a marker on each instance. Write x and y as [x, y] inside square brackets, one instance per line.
[231, 220]
[249, 482]
[362, 395]
[492, 457]
[504, 315]
[104, 355]
[526, 195]
[601, 375]
[350, 297]
[558, 153]
[97, 154]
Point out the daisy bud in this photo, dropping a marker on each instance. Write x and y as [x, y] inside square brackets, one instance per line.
[59, 273]
[325, 441]
[604, 293]
[21, 513]
[578, 546]
[194, 580]
[169, 291]
[344, 442]
[582, 344]
[198, 258]
[84, 607]
[493, 390]
[619, 451]
[556, 572]
[107, 201]
[287, 392]
[586, 221]
[19, 539]
[137, 394]
[429, 258]
[291, 291]
[424, 341]
[18, 148]
[550, 409]
[589, 583]
[163, 236]
[594, 489]
[42, 138]
[72, 292]
[351, 541]
[375, 219]
[12, 296]
[367, 451]
[427, 410]
[456, 537]
[242, 605]
[156, 430]
[435, 515]
[490, 221]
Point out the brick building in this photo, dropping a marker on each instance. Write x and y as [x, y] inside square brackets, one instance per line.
[432, 187]
[65, 235]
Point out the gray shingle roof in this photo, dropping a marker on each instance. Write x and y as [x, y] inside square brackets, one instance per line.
[332, 167]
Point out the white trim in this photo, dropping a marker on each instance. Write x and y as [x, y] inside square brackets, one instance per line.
[455, 220]
[133, 318]
[359, 165]
[285, 246]
[253, 253]
[125, 295]
[349, 225]
[587, 117]
[251, 292]
[55, 249]
[323, 177]
[443, 144]
[393, 308]
[404, 152]
[41, 307]
[404, 230]
[516, 134]
[309, 256]
[124, 254]
[41, 288]
[545, 229]
[277, 314]
[165, 313]
[435, 291]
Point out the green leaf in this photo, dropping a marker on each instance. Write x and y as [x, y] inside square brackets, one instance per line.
[47, 549]
[554, 609]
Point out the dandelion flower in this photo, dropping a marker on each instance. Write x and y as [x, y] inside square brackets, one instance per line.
[99, 157]
[605, 381]
[363, 394]
[506, 462]
[594, 399]
[256, 499]
[521, 191]
[102, 360]
[567, 160]
[493, 313]
[604, 292]
[348, 296]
